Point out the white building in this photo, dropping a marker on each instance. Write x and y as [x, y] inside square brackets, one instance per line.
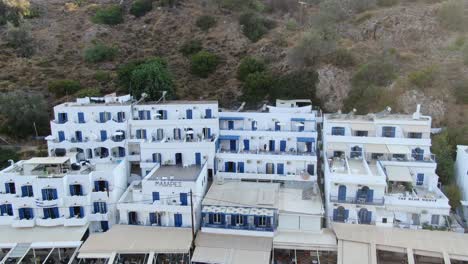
[278, 144]
[461, 174]
[367, 160]
[54, 191]
[162, 198]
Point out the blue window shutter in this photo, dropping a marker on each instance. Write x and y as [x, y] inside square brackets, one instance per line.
[341, 193]
[268, 221]
[103, 135]
[233, 220]
[7, 187]
[245, 220]
[61, 136]
[155, 196]
[46, 213]
[148, 115]
[72, 212]
[198, 158]
[21, 213]
[283, 145]
[370, 196]
[277, 126]
[272, 145]
[54, 194]
[346, 214]
[240, 166]
[254, 127]
[280, 168]
[189, 113]
[209, 132]
[232, 145]
[24, 191]
[223, 219]
[141, 115]
[301, 128]
[335, 214]
[106, 185]
[44, 194]
[104, 205]
[81, 117]
[144, 133]
[82, 212]
[183, 199]
[256, 220]
[226, 166]
[56, 212]
[210, 218]
[72, 190]
[369, 217]
[207, 113]
[96, 207]
[246, 144]
[96, 186]
[152, 217]
[101, 117]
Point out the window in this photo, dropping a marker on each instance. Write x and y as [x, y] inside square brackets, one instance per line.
[49, 194]
[414, 135]
[51, 213]
[156, 196]
[338, 131]
[141, 133]
[6, 209]
[25, 213]
[388, 131]
[76, 211]
[384, 220]
[27, 191]
[101, 186]
[361, 133]
[75, 189]
[420, 179]
[217, 218]
[435, 220]
[239, 219]
[10, 187]
[155, 219]
[100, 207]
[376, 156]
[62, 118]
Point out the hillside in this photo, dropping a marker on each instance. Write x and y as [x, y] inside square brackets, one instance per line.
[425, 58]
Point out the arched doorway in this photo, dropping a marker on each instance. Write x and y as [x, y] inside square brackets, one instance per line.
[340, 214]
[342, 193]
[365, 216]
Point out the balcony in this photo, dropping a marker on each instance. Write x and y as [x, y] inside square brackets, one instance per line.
[98, 216]
[23, 222]
[75, 199]
[355, 200]
[50, 203]
[241, 227]
[288, 176]
[75, 221]
[50, 222]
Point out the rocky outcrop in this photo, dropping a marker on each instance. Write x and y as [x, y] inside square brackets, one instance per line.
[333, 87]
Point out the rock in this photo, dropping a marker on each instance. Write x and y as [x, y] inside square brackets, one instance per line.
[333, 87]
[429, 105]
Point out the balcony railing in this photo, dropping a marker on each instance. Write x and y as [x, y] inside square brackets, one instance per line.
[263, 152]
[23, 222]
[356, 200]
[240, 227]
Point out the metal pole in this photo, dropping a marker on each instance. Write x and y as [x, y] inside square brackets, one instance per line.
[191, 213]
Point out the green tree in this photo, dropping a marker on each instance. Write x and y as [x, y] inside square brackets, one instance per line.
[99, 53]
[110, 15]
[444, 151]
[64, 87]
[88, 92]
[203, 63]
[205, 22]
[256, 87]
[311, 49]
[249, 65]
[18, 112]
[296, 84]
[150, 76]
[254, 26]
[191, 47]
[20, 39]
[453, 193]
[7, 154]
[141, 7]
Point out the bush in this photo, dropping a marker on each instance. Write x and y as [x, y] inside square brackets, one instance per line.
[102, 76]
[110, 15]
[205, 22]
[311, 49]
[342, 58]
[424, 78]
[461, 92]
[99, 53]
[451, 15]
[363, 98]
[191, 47]
[444, 151]
[238, 5]
[19, 110]
[88, 92]
[249, 65]
[378, 72]
[64, 87]
[14, 11]
[21, 40]
[254, 26]
[386, 3]
[256, 86]
[149, 76]
[141, 7]
[296, 84]
[203, 63]
[7, 154]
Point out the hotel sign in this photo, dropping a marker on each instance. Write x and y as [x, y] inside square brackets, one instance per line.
[168, 183]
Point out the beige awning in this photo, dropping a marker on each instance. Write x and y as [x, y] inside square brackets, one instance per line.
[231, 249]
[303, 240]
[375, 148]
[398, 174]
[417, 129]
[337, 146]
[398, 149]
[363, 126]
[46, 160]
[128, 239]
[355, 252]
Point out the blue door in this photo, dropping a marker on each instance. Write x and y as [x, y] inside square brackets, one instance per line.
[283, 145]
[121, 152]
[272, 145]
[342, 193]
[141, 115]
[103, 135]
[81, 117]
[280, 168]
[178, 220]
[61, 136]
[79, 136]
[155, 196]
[301, 128]
[230, 124]
[240, 166]
[246, 144]
[420, 179]
[232, 145]
[207, 113]
[189, 113]
[254, 125]
[277, 126]
[102, 117]
[370, 196]
[104, 226]
[198, 158]
[183, 199]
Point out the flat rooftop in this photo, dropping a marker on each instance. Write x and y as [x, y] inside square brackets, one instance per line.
[176, 172]
[372, 117]
[244, 194]
[300, 201]
[180, 102]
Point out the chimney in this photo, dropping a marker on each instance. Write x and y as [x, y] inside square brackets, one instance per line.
[417, 114]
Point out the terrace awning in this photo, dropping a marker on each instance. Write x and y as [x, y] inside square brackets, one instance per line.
[337, 146]
[231, 249]
[398, 149]
[398, 174]
[228, 137]
[125, 239]
[225, 118]
[375, 148]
